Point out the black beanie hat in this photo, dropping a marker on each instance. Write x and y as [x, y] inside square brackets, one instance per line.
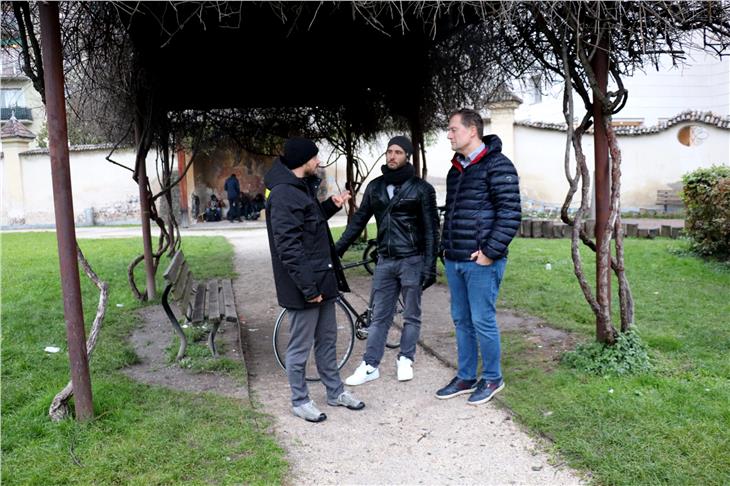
[298, 151]
[403, 142]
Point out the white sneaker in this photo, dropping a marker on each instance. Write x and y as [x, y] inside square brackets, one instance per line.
[405, 369]
[363, 374]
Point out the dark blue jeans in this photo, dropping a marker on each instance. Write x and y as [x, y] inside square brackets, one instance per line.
[474, 289]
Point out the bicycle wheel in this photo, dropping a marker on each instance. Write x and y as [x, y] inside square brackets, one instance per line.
[345, 340]
[370, 256]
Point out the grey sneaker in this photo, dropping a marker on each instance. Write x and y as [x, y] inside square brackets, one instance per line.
[309, 412]
[347, 400]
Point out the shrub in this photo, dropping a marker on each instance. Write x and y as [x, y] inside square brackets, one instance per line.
[626, 356]
[707, 197]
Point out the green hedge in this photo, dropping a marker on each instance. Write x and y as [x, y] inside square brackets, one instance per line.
[707, 197]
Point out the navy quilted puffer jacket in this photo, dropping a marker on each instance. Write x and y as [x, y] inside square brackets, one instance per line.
[482, 205]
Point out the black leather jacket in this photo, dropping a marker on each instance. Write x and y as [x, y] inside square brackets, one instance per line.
[410, 228]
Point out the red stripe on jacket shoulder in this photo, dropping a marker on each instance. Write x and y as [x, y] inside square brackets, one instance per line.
[455, 161]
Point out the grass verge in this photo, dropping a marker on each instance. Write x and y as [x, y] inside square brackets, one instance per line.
[664, 427]
[140, 434]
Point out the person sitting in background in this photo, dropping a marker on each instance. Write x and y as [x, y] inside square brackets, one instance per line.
[245, 204]
[213, 211]
[257, 205]
[252, 207]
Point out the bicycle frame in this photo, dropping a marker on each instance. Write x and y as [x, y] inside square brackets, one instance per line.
[348, 306]
[361, 263]
[362, 324]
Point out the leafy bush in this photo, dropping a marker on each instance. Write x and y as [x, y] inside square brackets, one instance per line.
[627, 356]
[707, 197]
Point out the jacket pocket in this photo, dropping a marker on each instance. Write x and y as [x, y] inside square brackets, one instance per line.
[326, 281]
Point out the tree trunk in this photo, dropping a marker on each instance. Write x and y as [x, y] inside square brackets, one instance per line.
[59, 408]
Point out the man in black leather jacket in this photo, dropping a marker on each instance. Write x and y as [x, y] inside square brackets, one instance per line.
[405, 212]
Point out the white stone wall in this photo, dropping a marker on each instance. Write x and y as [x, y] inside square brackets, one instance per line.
[649, 162]
[98, 186]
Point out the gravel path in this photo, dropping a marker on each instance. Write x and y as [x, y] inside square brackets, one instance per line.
[404, 435]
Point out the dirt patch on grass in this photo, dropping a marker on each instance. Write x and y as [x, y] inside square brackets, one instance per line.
[151, 340]
[546, 344]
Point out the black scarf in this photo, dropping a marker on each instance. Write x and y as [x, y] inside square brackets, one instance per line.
[398, 176]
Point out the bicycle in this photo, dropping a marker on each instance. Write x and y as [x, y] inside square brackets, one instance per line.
[350, 325]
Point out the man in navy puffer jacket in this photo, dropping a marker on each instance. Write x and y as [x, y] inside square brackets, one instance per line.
[482, 216]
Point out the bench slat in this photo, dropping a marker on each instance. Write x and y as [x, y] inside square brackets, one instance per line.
[182, 282]
[212, 313]
[229, 306]
[172, 271]
[198, 308]
[187, 295]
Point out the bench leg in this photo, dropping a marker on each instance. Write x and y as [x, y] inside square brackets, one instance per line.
[175, 324]
[211, 339]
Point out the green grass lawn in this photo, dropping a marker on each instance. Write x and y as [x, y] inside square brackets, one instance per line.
[670, 426]
[140, 434]
[665, 427]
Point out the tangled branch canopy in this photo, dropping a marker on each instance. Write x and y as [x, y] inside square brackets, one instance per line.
[406, 60]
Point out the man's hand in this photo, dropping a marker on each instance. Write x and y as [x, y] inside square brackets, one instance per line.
[481, 258]
[341, 198]
[316, 300]
[428, 279]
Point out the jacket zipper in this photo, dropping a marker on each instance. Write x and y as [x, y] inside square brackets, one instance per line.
[388, 230]
[453, 206]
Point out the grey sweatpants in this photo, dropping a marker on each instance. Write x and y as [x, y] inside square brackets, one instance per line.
[316, 326]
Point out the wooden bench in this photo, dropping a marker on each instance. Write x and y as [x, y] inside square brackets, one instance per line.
[208, 301]
[669, 198]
